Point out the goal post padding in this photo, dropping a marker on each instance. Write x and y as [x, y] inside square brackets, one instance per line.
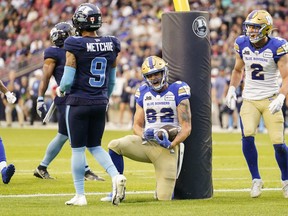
[186, 48]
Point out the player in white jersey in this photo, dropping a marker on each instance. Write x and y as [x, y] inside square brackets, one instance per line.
[157, 104]
[263, 59]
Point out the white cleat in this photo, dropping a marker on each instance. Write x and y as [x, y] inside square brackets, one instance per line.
[119, 187]
[257, 185]
[77, 200]
[285, 188]
[108, 198]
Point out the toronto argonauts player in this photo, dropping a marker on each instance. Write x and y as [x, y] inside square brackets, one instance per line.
[54, 61]
[157, 104]
[6, 171]
[89, 75]
[262, 57]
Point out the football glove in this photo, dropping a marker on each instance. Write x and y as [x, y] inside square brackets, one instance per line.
[59, 92]
[149, 134]
[231, 98]
[277, 104]
[41, 107]
[163, 142]
[10, 97]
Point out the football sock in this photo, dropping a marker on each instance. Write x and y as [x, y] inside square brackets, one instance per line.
[117, 160]
[40, 167]
[78, 170]
[281, 155]
[251, 156]
[2, 151]
[2, 165]
[53, 149]
[104, 160]
[86, 167]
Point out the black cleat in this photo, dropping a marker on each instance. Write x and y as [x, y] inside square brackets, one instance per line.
[42, 173]
[90, 176]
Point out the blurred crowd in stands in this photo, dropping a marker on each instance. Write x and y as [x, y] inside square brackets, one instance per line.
[25, 27]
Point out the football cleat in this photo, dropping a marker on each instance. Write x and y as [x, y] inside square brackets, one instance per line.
[108, 198]
[7, 173]
[42, 173]
[285, 188]
[78, 200]
[91, 176]
[256, 189]
[119, 187]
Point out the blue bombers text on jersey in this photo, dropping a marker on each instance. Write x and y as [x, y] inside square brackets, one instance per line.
[161, 108]
[261, 72]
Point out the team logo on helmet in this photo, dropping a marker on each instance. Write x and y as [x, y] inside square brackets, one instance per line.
[199, 27]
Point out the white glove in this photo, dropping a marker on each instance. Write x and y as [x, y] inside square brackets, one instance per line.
[231, 98]
[277, 104]
[59, 92]
[10, 97]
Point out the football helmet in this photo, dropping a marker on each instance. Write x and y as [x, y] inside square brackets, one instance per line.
[153, 65]
[258, 25]
[87, 17]
[60, 32]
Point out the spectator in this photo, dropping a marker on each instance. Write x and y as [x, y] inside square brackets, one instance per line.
[13, 86]
[34, 94]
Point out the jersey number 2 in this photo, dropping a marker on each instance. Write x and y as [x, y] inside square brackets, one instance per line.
[257, 73]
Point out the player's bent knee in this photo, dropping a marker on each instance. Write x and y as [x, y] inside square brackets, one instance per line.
[113, 144]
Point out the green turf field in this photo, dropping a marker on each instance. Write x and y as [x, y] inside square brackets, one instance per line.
[27, 195]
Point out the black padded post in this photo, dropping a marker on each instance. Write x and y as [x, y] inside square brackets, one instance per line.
[186, 48]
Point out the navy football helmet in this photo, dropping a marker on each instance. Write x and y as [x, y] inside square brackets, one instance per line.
[87, 17]
[60, 32]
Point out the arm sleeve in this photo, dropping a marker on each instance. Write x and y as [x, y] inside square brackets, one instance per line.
[67, 79]
[112, 81]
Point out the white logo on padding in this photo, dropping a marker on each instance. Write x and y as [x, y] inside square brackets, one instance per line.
[199, 27]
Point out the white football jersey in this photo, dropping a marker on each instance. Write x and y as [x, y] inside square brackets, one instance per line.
[161, 108]
[261, 71]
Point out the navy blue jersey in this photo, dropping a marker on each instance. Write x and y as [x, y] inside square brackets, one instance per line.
[95, 57]
[59, 55]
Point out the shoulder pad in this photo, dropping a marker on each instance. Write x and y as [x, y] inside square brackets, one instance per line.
[282, 49]
[181, 87]
[239, 40]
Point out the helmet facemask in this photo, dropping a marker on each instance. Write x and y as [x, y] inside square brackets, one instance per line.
[255, 32]
[158, 82]
[258, 25]
[155, 72]
[60, 32]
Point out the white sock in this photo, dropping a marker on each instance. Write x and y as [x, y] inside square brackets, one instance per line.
[2, 165]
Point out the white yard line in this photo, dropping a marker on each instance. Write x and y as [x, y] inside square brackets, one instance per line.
[128, 192]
